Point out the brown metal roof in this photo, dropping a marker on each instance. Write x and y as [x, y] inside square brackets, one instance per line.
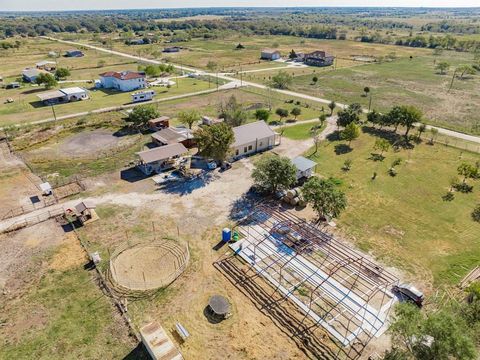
[124, 75]
[171, 135]
[158, 120]
[162, 153]
[248, 133]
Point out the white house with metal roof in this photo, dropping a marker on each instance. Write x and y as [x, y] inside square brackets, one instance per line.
[160, 159]
[63, 95]
[252, 138]
[305, 167]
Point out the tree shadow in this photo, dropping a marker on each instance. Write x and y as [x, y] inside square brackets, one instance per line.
[334, 136]
[397, 141]
[244, 205]
[341, 149]
[138, 353]
[132, 175]
[187, 186]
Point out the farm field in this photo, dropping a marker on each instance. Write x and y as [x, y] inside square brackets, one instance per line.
[403, 219]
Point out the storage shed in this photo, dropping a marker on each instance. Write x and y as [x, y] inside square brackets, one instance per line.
[305, 167]
[158, 344]
[160, 159]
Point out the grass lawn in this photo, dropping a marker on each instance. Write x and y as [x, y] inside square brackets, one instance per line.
[300, 131]
[403, 219]
[70, 318]
[27, 106]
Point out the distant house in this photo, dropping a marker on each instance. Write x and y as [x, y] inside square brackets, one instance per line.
[269, 54]
[172, 49]
[160, 159]
[143, 96]
[159, 123]
[319, 58]
[46, 65]
[30, 75]
[136, 42]
[63, 95]
[172, 135]
[13, 85]
[252, 138]
[74, 53]
[123, 81]
[305, 167]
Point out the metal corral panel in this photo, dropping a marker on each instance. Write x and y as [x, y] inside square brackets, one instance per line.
[158, 344]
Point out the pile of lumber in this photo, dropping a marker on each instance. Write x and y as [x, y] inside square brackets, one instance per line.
[472, 276]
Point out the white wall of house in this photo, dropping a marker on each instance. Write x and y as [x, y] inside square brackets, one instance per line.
[304, 174]
[77, 96]
[110, 82]
[254, 146]
[155, 167]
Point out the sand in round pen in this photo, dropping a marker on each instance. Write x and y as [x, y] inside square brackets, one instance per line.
[146, 266]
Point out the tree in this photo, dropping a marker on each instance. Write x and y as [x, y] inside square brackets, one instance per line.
[62, 73]
[273, 173]
[240, 47]
[141, 114]
[465, 70]
[316, 138]
[292, 55]
[322, 119]
[421, 129]
[46, 79]
[282, 80]
[443, 67]
[350, 133]
[366, 90]
[296, 111]
[405, 115]
[349, 115]
[440, 335]
[262, 114]
[332, 105]
[468, 171]
[232, 112]
[282, 113]
[433, 135]
[214, 141]
[315, 79]
[189, 118]
[382, 145]
[476, 217]
[324, 197]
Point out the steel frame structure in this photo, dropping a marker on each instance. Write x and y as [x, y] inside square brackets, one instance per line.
[335, 286]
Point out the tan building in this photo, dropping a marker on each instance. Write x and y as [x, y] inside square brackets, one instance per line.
[252, 138]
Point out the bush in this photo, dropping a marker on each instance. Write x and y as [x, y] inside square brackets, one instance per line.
[476, 213]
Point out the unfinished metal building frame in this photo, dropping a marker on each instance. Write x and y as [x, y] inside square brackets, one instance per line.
[333, 285]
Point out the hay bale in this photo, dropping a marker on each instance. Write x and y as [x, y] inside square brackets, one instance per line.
[295, 201]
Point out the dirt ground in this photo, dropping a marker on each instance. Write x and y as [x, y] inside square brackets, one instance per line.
[83, 144]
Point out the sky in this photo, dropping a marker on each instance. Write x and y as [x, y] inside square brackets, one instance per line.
[46, 5]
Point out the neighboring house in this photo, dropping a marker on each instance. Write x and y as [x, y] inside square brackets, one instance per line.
[172, 49]
[268, 54]
[123, 81]
[210, 121]
[252, 138]
[136, 42]
[46, 65]
[13, 85]
[159, 123]
[319, 58]
[160, 159]
[172, 135]
[305, 167]
[143, 96]
[30, 75]
[74, 53]
[63, 95]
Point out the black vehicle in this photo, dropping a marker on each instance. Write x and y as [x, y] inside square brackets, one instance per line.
[410, 293]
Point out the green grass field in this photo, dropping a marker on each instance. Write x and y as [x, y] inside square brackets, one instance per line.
[300, 131]
[68, 318]
[403, 219]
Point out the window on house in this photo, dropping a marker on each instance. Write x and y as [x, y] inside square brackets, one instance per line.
[261, 143]
[250, 147]
[236, 152]
[245, 149]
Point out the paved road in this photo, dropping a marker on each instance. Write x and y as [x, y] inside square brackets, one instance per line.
[451, 133]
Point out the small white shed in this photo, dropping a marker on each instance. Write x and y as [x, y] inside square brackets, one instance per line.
[305, 167]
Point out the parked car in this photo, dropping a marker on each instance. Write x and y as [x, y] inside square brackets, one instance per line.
[409, 293]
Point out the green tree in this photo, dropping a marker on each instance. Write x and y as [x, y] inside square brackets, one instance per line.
[405, 115]
[273, 173]
[382, 145]
[476, 217]
[296, 111]
[214, 141]
[433, 135]
[468, 171]
[315, 79]
[349, 115]
[189, 117]
[62, 73]
[282, 113]
[141, 114]
[232, 112]
[292, 55]
[262, 114]
[324, 197]
[46, 79]
[443, 67]
[421, 129]
[282, 80]
[332, 105]
[350, 133]
[322, 118]
[366, 90]
[463, 70]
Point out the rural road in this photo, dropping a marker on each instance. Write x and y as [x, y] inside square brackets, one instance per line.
[443, 131]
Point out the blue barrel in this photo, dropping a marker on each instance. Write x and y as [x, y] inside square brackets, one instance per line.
[226, 235]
